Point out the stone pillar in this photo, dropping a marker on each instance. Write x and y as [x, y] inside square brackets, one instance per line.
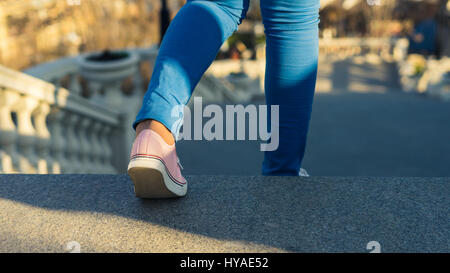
[26, 133]
[42, 137]
[57, 143]
[8, 135]
[72, 142]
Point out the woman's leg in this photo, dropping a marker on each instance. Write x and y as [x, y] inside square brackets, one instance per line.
[189, 46]
[291, 29]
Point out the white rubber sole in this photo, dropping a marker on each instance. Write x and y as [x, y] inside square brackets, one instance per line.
[151, 179]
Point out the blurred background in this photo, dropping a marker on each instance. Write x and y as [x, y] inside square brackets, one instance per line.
[73, 74]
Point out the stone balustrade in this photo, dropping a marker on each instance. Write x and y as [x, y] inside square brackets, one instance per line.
[118, 85]
[47, 129]
[114, 85]
[66, 72]
[57, 117]
[346, 47]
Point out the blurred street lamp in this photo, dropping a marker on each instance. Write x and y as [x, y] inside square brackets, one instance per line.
[164, 19]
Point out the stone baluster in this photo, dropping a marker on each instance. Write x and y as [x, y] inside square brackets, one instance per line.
[42, 137]
[138, 81]
[73, 143]
[107, 150]
[26, 133]
[113, 95]
[8, 135]
[96, 152]
[85, 145]
[74, 84]
[57, 146]
[95, 92]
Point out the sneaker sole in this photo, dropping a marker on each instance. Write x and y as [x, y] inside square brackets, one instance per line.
[151, 179]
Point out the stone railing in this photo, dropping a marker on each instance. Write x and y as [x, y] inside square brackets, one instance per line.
[47, 129]
[216, 85]
[346, 47]
[65, 72]
[113, 85]
[72, 106]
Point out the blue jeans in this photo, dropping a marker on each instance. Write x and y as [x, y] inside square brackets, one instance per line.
[192, 42]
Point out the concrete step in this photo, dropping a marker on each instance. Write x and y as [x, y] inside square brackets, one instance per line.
[43, 213]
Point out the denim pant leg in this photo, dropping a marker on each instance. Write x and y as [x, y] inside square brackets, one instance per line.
[291, 29]
[189, 46]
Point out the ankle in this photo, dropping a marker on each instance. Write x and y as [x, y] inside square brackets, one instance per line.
[157, 127]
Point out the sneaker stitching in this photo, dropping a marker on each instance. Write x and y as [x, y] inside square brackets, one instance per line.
[180, 183]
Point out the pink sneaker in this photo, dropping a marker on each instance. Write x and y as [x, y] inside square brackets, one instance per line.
[155, 168]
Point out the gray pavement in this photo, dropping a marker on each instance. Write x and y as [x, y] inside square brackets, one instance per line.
[42, 213]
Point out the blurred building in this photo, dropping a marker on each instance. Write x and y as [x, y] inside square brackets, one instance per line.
[34, 31]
